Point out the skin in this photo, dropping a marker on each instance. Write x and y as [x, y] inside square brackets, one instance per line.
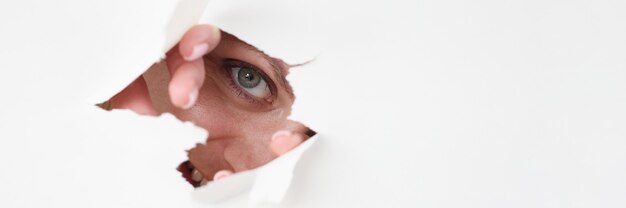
[245, 131]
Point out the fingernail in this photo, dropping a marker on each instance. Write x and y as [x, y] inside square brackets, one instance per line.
[281, 133]
[197, 52]
[222, 174]
[282, 144]
[193, 96]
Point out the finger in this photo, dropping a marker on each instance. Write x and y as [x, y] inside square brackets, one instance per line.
[173, 59]
[186, 66]
[185, 84]
[135, 97]
[284, 141]
[222, 174]
[198, 41]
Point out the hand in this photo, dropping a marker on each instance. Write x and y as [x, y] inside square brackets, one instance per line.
[187, 73]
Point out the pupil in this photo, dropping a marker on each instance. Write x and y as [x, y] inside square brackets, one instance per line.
[248, 78]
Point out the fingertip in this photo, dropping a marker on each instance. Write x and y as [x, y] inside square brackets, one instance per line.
[191, 98]
[197, 51]
[184, 87]
[198, 41]
[281, 134]
[222, 174]
[284, 141]
[183, 96]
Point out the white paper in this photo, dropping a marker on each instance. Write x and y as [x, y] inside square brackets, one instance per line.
[466, 104]
[266, 185]
[288, 30]
[417, 104]
[57, 149]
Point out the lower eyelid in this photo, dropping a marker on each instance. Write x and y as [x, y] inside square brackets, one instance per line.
[240, 93]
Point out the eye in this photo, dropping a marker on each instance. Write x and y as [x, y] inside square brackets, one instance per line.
[251, 81]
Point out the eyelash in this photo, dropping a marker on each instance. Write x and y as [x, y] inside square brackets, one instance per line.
[228, 64]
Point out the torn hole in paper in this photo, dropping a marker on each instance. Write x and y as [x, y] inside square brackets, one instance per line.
[244, 104]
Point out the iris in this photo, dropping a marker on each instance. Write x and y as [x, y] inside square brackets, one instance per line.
[248, 78]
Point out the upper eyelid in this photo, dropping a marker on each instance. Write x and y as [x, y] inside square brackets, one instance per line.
[276, 66]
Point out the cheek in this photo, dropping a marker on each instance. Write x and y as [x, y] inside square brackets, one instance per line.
[236, 136]
[214, 113]
[217, 111]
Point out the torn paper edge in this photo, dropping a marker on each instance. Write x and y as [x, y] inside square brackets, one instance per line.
[268, 184]
[186, 15]
[267, 28]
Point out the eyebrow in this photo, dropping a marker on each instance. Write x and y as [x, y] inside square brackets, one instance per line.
[277, 67]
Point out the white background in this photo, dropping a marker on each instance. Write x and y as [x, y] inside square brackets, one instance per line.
[417, 103]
